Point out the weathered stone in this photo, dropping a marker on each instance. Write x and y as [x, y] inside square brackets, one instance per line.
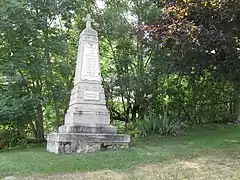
[87, 128]
[86, 137]
[87, 117]
[87, 121]
[82, 143]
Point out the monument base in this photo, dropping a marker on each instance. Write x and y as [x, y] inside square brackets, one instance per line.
[84, 139]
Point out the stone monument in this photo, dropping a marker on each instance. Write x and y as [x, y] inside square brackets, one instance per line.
[87, 122]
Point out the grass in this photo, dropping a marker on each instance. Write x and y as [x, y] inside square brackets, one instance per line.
[204, 145]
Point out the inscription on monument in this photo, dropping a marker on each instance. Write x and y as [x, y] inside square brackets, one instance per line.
[89, 38]
[91, 95]
[90, 64]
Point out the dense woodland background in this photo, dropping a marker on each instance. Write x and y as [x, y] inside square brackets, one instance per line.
[165, 65]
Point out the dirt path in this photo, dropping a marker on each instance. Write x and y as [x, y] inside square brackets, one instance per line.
[96, 175]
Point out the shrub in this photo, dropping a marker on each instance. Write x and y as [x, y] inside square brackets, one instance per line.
[160, 125]
[120, 125]
[10, 137]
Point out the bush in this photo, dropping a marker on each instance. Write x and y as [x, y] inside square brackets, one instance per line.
[120, 125]
[10, 137]
[160, 125]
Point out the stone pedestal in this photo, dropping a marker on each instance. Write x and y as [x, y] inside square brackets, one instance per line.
[87, 122]
[85, 139]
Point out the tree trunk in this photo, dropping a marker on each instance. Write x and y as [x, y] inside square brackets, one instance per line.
[238, 112]
[134, 113]
[57, 113]
[236, 106]
[33, 129]
[39, 124]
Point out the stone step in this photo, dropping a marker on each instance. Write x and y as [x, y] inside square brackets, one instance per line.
[87, 137]
[85, 128]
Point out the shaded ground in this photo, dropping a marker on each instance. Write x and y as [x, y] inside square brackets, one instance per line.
[205, 152]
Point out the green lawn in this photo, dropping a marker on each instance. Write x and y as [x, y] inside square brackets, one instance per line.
[205, 140]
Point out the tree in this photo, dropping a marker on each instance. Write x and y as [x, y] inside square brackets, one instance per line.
[203, 37]
[37, 57]
[126, 57]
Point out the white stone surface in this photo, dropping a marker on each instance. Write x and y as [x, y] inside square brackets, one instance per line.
[90, 62]
[91, 95]
[87, 117]
[87, 102]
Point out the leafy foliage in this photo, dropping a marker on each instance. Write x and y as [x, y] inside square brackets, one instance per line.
[203, 37]
[36, 61]
[160, 125]
[10, 137]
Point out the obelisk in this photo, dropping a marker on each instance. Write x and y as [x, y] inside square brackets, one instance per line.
[87, 122]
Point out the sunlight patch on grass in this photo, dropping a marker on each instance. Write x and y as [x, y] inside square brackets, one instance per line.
[96, 175]
[201, 168]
